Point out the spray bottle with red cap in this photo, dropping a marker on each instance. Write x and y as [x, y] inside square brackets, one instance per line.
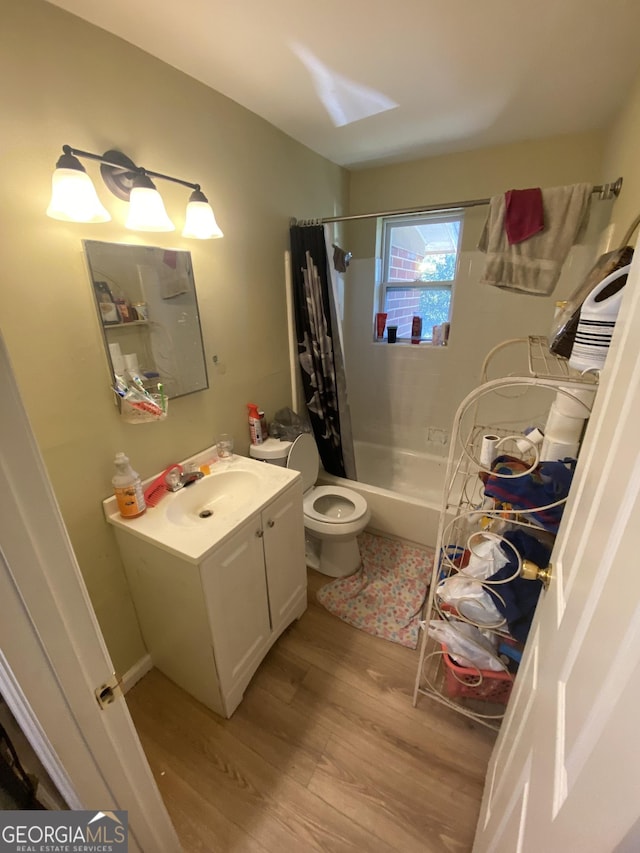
[255, 425]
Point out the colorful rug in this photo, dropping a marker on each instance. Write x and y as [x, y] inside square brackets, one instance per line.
[385, 596]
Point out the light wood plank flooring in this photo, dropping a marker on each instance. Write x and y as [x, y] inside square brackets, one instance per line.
[325, 753]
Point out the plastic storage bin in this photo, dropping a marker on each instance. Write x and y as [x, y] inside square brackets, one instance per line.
[484, 684]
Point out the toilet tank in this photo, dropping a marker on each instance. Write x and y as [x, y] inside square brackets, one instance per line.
[272, 450]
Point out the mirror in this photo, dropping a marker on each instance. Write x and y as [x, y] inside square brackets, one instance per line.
[146, 300]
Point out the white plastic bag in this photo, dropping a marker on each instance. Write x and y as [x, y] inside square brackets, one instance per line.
[466, 644]
[486, 558]
[471, 600]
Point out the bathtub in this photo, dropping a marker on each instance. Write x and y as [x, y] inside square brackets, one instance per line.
[403, 490]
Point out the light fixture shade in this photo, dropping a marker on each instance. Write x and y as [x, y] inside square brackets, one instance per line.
[146, 208]
[74, 198]
[200, 221]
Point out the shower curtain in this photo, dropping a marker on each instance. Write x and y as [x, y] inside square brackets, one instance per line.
[319, 350]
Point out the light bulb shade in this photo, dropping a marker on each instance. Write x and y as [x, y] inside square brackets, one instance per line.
[146, 210]
[200, 221]
[74, 198]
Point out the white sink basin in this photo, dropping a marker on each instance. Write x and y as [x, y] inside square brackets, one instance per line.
[217, 495]
[194, 520]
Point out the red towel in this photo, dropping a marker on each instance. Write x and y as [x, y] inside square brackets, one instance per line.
[524, 216]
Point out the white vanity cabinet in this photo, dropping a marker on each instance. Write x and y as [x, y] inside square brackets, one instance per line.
[209, 623]
[262, 566]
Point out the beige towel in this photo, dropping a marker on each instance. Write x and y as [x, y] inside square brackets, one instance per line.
[534, 266]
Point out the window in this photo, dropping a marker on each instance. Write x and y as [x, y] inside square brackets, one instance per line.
[419, 264]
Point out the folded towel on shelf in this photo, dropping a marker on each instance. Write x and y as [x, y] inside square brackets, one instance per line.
[534, 265]
[524, 214]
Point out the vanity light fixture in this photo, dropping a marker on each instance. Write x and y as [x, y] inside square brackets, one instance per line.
[200, 221]
[73, 195]
[146, 208]
[74, 198]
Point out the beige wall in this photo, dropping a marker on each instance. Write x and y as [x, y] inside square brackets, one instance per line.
[407, 395]
[622, 157]
[65, 81]
[473, 174]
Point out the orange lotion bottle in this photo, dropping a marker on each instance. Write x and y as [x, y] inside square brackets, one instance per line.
[127, 488]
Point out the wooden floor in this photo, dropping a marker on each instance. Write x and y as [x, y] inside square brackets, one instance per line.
[325, 753]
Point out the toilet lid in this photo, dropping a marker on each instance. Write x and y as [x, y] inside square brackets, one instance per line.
[303, 457]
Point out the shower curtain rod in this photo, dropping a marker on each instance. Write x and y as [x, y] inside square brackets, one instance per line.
[604, 191]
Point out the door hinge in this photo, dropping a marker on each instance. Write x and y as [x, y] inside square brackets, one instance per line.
[109, 692]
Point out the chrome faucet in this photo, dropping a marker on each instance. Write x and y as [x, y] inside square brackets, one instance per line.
[177, 479]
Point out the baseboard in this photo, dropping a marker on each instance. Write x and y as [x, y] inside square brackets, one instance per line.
[133, 675]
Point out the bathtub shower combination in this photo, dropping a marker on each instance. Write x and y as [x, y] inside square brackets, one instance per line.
[402, 488]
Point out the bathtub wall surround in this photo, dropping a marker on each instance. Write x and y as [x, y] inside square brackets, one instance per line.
[74, 197]
[401, 396]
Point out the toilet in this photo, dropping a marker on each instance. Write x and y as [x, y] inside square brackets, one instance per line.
[333, 515]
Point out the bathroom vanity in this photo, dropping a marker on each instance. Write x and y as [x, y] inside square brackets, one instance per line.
[217, 572]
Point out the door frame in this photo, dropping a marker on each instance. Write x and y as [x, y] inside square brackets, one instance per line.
[54, 654]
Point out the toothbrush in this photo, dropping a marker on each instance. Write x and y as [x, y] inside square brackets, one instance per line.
[120, 386]
[163, 401]
[137, 381]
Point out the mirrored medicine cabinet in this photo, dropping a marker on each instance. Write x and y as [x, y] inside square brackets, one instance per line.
[146, 301]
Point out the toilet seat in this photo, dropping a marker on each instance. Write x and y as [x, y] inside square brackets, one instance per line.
[333, 515]
[349, 504]
[333, 506]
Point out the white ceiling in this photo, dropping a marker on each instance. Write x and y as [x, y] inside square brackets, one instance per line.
[364, 82]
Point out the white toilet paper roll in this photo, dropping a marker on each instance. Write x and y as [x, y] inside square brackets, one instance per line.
[578, 405]
[488, 450]
[561, 427]
[554, 450]
[530, 440]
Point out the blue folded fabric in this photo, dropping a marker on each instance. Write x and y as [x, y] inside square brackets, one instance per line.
[518, 597]
[548, 483]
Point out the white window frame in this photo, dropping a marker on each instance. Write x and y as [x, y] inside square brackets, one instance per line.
[386, 225]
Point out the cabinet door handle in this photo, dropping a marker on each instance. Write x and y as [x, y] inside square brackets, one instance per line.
[270, 523]
[259, 534]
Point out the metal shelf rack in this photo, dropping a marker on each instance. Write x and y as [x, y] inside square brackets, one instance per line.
[467, 517]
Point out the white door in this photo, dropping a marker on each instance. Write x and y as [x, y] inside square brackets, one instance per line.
[565, 772]
[52, 652]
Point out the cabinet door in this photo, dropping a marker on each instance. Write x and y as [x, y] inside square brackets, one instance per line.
[235, 590]
[283, 525]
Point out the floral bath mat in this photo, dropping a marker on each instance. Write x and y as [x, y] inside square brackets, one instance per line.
[385, 596]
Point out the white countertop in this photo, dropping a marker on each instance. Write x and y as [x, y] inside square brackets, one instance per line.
[189, 536]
